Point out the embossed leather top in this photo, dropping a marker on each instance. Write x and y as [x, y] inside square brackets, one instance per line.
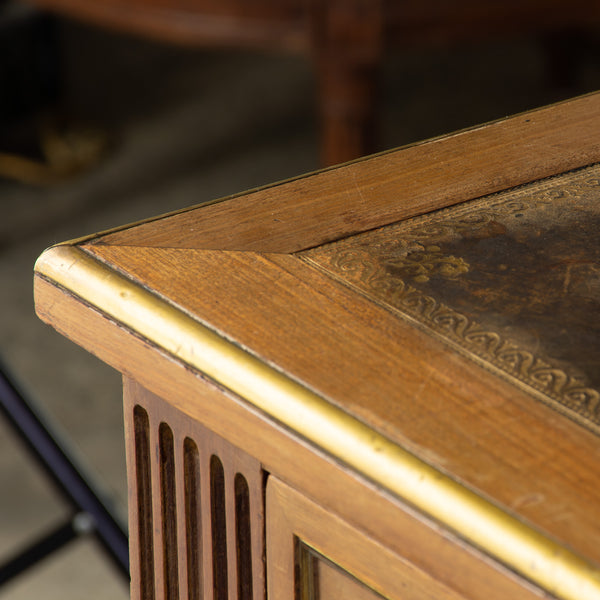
[427, 317]
[512, 280]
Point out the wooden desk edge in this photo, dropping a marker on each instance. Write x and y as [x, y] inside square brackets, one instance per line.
[514, 543]
[316, 208]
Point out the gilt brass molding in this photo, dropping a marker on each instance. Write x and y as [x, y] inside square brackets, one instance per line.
[522, 548]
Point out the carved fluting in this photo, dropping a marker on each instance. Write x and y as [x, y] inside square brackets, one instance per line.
[201, 535]
[404, 266]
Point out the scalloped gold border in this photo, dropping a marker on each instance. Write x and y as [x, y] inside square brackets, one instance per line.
[527, 551]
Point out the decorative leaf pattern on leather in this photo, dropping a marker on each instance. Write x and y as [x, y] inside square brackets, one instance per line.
[512, 280]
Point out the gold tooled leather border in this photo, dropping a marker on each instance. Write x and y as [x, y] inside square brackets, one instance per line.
[351, 263]
[522, 548]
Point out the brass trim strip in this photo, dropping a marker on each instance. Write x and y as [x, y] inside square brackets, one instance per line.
[527, 551]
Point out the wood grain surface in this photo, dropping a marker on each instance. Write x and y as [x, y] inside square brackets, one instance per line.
[389, 187]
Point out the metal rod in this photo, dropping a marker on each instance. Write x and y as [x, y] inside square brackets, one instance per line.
[63, 469]
[39, 550]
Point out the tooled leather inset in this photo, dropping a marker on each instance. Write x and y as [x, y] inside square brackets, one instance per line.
[512, 279]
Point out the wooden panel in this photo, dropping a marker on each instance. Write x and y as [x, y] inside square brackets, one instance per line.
[332, 583]
[392, 186]
[196, 507]
[293, 521]
[446, 557]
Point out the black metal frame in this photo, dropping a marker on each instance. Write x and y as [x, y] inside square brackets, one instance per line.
[91, 513]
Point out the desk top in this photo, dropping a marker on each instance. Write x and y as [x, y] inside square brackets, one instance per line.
[426, 316]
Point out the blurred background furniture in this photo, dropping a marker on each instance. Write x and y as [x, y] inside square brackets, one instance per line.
[346, 40]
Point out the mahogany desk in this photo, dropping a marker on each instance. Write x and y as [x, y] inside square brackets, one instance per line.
[379, 379]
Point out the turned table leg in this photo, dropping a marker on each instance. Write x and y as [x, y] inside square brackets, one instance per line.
[348, 46]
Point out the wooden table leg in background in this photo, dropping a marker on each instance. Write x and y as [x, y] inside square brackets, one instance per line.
[348, 47]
